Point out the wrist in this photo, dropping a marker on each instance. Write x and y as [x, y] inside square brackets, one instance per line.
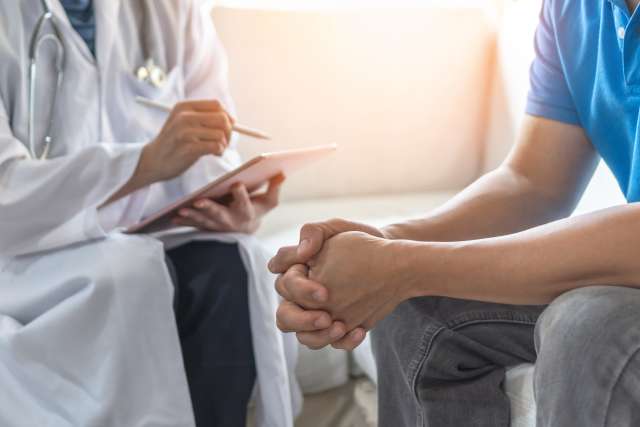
[145, 173]
[425, 269]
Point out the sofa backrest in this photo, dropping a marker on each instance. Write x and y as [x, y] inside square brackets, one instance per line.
[517, 22]
[403, 91]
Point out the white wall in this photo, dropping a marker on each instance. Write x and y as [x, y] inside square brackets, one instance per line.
[404, 92]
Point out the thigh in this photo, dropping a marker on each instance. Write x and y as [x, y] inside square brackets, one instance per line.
[208, 275]
[597, 326]
[429, 347]
[409, 335]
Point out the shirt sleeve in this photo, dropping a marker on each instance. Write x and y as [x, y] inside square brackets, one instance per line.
[49, 204]
[549, 94]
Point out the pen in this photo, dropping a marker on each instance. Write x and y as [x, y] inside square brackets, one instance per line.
[254, 133]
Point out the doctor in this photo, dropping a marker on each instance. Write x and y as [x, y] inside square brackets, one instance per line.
[88, 334]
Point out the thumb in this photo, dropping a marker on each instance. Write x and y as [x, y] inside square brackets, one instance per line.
[312, 237]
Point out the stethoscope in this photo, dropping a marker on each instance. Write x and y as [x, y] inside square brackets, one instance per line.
[148, 72]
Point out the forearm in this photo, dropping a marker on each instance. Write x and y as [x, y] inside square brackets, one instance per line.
[501, 202]
[530, 267]
[142, 176]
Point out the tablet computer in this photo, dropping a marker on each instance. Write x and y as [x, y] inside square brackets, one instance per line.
[253, 174]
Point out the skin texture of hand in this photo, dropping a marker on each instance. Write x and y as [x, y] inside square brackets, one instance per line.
[314, 328]
[192, 130]
[242, 215]
[312, 238]
[362, 278]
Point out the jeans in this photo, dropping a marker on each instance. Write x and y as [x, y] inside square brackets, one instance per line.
[212, 313]
[441, 361]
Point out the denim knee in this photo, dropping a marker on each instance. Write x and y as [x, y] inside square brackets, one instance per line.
[585, 317]
[585, 333]
[584, 340]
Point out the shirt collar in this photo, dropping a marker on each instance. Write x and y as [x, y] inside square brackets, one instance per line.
[620, 3]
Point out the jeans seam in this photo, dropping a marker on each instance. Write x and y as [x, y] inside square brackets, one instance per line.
[615, 384]
[414, 375]
[427, 350]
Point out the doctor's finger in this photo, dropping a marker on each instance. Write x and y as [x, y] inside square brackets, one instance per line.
[193, 218]
[206, 135]
[220, 121]
[214, 211]
[242, 202]
[216, 148]
[319, 339]
[201, 105]
[292, 318]
[269, 200]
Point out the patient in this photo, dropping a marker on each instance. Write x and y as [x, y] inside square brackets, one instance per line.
[501, 275]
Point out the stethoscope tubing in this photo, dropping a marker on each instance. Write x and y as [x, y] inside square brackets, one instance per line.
[37, 41]
[34, 46]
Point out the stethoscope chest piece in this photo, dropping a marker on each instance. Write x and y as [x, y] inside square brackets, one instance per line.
[152, 74]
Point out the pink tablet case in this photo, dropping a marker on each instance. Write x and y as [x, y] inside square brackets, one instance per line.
[253, 174]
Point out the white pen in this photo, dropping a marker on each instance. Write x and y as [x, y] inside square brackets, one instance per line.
[254, 133]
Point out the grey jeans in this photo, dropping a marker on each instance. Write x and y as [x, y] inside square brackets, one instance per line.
[441, 361]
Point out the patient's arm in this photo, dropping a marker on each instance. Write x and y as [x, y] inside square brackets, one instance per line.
[542, 180]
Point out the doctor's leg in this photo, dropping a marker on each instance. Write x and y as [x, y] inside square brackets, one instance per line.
[212, 313]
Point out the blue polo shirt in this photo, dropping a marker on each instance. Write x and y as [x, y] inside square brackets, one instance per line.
[587, 73]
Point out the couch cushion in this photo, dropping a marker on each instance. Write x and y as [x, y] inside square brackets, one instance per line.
[519, 387]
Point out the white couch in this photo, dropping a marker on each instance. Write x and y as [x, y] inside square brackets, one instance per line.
[422, 99]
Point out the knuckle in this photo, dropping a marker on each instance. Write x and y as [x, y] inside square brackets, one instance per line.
[280, 287]
[282, 326]
[308, 228]
[336, 222]
[183, 115]
[289, 277]
[308, 342]
[183, 134]
[280, 256]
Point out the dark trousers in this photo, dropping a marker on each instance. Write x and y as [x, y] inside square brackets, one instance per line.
[212, 313]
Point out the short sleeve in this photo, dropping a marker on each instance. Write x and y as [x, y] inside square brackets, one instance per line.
[549, 94]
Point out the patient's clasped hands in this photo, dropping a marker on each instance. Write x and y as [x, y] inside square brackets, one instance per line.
[337, 283]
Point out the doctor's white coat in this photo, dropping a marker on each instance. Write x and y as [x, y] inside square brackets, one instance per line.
[87, 333]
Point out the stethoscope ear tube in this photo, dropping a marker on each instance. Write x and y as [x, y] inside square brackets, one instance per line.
[34, 46]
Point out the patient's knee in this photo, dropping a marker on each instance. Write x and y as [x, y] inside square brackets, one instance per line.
[584, 320]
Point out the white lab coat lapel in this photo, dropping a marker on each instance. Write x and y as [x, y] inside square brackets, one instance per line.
[107, 24]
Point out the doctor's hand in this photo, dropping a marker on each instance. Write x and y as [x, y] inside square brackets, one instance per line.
[242, 215]
[193, 129]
